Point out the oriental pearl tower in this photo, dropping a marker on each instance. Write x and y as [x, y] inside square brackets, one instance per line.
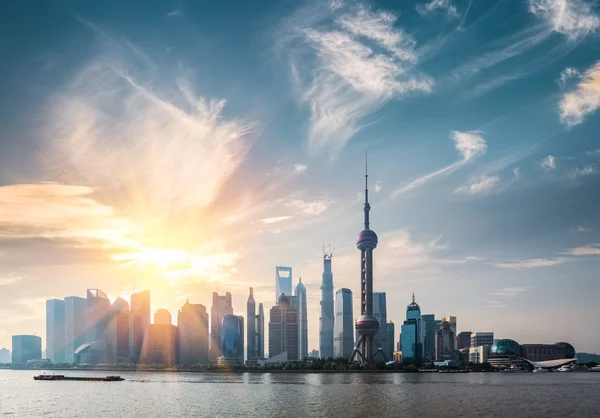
[367, 325]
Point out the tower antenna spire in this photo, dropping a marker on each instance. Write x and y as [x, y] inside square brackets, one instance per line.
[367, 207]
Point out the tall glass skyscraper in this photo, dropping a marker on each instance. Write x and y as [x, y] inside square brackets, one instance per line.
[192, 324]
[260, 330]
[327, 319]
[140, 320]
[75, 333]
[55, 330]
[255, 330]
[343, 332]
[283, 329]
[380, 312]
[221, 307]
[429, 326]
[118, 331]
[300, 294]
[232, 340]
[412, 335]
[26, 347]
[283, 281]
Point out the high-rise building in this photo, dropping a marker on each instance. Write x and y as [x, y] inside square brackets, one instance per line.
[232, 341]
[55, 330]
[283, 282]
[367, 325]
[399, 343]
[221, 306]
[26, 347]
[444, 342]
[251, 334]
[260, 332]
[391, 330]
[429, 326]
[192, 326]
[97, 320]
[118, 331]
[343, 340]
[300, 294]
[283, 329]
[161, 342]
[140, 320]
[327, 318]
[5, 357]
[380, 313]
[313, 354]
[464, 340]
[412, 334]
[452, 321]
[482, 338]
[479, 354]
[75, 326]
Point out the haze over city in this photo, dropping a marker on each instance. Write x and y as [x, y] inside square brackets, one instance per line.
[202, 146]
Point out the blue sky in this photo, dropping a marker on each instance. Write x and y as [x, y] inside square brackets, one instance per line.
[193, 146]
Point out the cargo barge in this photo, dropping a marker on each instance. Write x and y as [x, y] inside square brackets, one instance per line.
[80, 379]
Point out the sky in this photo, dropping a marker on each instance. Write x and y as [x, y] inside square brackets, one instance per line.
[188, 147]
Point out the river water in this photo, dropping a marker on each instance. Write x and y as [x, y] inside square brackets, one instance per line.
[151, 394]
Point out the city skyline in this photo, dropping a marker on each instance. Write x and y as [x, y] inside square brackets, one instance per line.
[196, 150]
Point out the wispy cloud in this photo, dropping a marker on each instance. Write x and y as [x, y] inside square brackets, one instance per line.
[313, 208]
[299, 168]
[9, 280]
[510, 291]
[445, 5]
[479, 184]
[591, 249]
[587, 170]
[582, 101]
[516, 173]
[549, 163]
[351, 79]
[531, 263]
[378, 187]
[572, 18]
[470, 145]
[566, 75]
[275, 219]
[174, 13]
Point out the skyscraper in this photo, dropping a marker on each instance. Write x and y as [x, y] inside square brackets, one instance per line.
[380, 313]
[97, 320]
[26, 347]
[283, 329]
[300, 294]
[260, 331]
[367, 325]
[5, 357]
[192, 326]
[444, 342]
[464, 340]
[343, 341]
[161, 343]
[482, 338]
[327, 319]
[251, 334]
[411, 335]
[75, 323]
[429, 328]
[55, 330]
[452, 321]
[140, 320]
[118, 331]
[283, 281]
[232, 341]
[221, 306]
[391, 330]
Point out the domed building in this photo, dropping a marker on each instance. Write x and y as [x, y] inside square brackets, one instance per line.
[506, 353]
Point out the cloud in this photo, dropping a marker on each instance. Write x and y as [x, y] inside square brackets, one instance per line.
[479, 184]
[299, 168]
[275, 219]
[532, 263]
[9, 280]
[433, 5]
[378, 187]
[469, 144]
[174, 13]
[549, 163]
[351, 78]
[310, 207]
[587, 170]
[582, 101]
[572, 18]
[510, 291]
[566, 75]
[591, 249]
[516, 173]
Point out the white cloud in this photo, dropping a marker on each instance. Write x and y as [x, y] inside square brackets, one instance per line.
[174, 13]
[299, 168]
[351, 79]
[582, 101]
[566, 75]
[433, 5]
[592, 249]
[532, 263]
[479, 184]
[572, 18]
[549, 163]
[587, 170]
[275, 219]
[310, 207]
[516, 173]
[378, 187]
[9, 280]
[469, 144]
[510, 291]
